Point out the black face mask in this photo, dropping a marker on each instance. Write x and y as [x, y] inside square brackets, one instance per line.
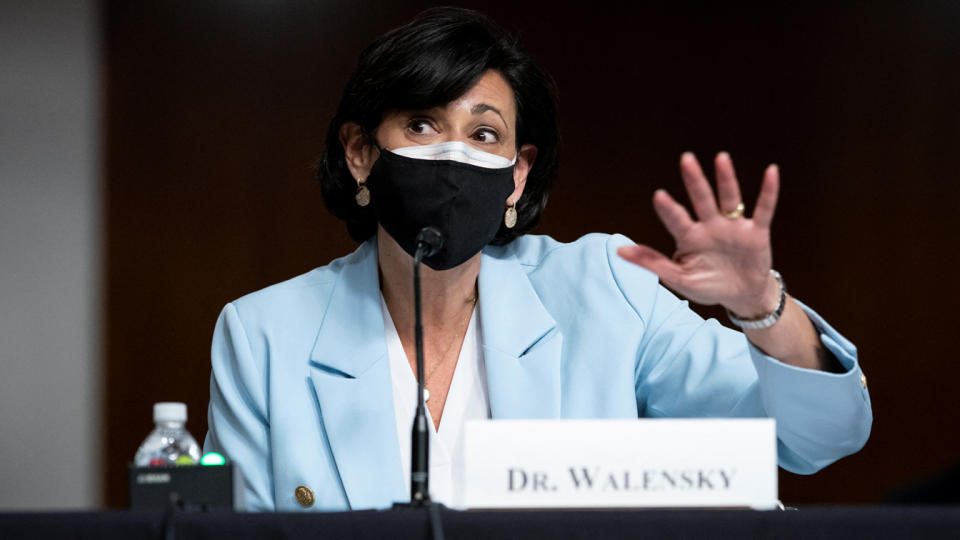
[464, 202]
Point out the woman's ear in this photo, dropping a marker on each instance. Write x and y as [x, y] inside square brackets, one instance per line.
[525, 158]
[357, 150]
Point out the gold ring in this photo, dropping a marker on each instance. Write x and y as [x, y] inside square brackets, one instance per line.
[736, 214]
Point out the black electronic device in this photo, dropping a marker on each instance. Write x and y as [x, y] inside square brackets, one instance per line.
[186, 488]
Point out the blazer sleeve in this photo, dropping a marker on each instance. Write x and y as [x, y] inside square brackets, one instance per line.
[237, 419]
[691, 367]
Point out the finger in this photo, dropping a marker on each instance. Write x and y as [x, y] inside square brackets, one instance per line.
[697, 186]
[767, 200]
[668, 271]
[673, 215]
[728, 190]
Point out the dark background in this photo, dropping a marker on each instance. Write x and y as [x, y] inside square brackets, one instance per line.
[216, 111]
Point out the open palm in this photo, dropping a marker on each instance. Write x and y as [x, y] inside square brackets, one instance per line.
[722, 257]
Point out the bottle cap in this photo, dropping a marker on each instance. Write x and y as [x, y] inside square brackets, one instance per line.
[169, 412]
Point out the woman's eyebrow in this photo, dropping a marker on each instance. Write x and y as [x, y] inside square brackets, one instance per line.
[480, 108]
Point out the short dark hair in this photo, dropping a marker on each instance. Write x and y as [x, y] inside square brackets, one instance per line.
[432, 60]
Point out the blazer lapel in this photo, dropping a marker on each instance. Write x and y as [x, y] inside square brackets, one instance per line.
[521, 344]
[350, 372]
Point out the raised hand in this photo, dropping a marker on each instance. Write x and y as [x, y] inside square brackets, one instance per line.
[723, 257]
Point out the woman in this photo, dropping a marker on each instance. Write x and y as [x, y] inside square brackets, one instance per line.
[446, 123]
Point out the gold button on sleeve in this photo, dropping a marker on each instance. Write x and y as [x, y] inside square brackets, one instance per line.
[304, 496]
[863, 380]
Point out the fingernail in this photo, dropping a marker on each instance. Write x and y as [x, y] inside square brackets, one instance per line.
[686, 155]
[723, 154]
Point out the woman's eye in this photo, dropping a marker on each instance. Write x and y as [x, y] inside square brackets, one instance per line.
[419, 126]
[486, 135]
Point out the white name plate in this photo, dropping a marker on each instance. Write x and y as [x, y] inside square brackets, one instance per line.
[621, 463]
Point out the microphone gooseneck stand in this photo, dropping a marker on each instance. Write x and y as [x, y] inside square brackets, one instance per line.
[429, 241]
[420, 438]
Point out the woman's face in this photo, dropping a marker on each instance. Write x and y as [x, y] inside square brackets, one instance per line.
[485, 118]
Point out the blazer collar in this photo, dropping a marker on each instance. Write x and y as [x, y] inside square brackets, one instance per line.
[350, 371]
[351, 337]
[512, 315]
[350, 375]
[522, 348]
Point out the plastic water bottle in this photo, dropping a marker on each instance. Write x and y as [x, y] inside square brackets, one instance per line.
[169, 443]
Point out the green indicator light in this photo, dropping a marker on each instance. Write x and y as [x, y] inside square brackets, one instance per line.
[212, 458]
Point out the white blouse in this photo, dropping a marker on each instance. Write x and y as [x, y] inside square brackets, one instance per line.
[466, 400]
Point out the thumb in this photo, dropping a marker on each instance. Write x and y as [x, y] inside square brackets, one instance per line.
[654, 261]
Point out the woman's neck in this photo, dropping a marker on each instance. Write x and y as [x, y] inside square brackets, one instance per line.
[446, 295]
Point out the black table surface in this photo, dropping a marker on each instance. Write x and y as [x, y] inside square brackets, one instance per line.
[807, 523]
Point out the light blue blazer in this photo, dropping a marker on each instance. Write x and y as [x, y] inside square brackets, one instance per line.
[301, 393]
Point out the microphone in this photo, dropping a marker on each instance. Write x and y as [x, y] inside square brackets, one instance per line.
[429, 241]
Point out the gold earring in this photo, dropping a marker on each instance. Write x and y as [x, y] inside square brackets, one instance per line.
[510, 216]
[363, 194]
